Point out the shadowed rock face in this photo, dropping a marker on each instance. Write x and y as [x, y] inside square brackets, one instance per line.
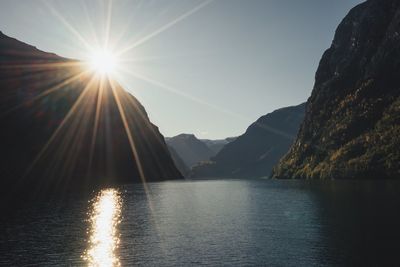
[352, 123]
[63, 128]
[253, 154]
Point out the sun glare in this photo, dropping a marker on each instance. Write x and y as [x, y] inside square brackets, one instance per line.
[103, 62]
[104, 238]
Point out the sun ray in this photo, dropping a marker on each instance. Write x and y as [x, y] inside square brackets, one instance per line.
[143, 29]
[96, 120]
[64, 121]
[165, 27]
[138, 58]
[128, 24]
[169, 88]
[50, 65]
[70, 144]
[47, 92]
[135, 155]
[190, 97]
[148, 123]
[90, 24]
[68, 25]
[108, 24]
[128, 132]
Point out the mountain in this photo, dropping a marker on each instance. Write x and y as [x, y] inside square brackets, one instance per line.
[254, 153]
[65, 128]
[217, 145]
[352, 123]
[190, 149]
[187, 151]
[179, 163]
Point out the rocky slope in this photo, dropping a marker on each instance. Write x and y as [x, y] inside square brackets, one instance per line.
[254, 153]
[352, 123]
[62, 128]
[190, 149]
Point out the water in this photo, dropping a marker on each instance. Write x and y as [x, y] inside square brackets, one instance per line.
[212, 223]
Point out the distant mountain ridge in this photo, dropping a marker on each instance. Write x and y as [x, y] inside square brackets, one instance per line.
[253, 154]
[64, 129]
[352, 124]
[188, 151]
[217, 145]
[189, 148]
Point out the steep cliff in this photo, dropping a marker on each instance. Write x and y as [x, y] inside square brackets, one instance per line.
[65, 128]
[253, 154]
[352, 123]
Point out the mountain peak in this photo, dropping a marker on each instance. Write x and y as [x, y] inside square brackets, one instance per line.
[186, 136]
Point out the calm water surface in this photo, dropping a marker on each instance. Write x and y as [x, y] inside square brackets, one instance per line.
[212, 223]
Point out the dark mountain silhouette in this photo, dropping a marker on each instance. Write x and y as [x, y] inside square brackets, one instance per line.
[64, 128]
[352, 124]
[254, 153]
[190, 149]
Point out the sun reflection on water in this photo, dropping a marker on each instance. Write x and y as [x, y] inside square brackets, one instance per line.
[103, 233]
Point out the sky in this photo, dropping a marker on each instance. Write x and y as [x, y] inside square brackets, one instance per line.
[205, 67]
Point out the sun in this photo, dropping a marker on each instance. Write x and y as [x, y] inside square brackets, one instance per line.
[102, 61]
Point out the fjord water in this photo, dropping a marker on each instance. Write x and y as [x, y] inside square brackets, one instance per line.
[211, 223]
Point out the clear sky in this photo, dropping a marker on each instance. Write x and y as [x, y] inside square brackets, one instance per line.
[205, 67]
